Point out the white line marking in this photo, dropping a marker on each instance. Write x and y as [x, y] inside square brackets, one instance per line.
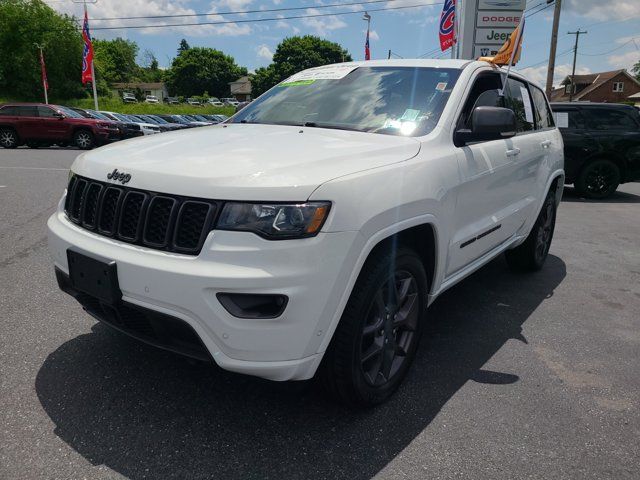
[38, 168]
[2, 186]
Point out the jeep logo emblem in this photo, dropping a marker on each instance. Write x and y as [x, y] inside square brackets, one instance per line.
[119, 176]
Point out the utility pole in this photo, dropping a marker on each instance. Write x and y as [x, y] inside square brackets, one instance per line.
[93, 72]
[39, 46]
[554, 45]
[575, 57]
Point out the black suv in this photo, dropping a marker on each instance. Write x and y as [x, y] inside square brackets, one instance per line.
[601, 145]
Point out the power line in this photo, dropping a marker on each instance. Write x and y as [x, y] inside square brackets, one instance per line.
[243, 12]
[610, 51]
[255, 20]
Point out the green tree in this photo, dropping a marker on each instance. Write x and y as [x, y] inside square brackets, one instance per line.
[636, 70]
[295, 54]
[184, 46]
[115, 60]
[23, 23]
[150, 69]
[199, 69]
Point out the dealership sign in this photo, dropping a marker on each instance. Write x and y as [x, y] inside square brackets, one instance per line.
[485, 25]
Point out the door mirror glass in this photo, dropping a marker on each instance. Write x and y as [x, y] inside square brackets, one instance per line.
[59, 115]
[488, 123]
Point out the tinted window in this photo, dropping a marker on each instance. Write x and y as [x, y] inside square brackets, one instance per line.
[46, 112]
[517, 98]
[389, 100]
[569, 118]
[605, 119]
[8, 111]
[24, 111]
[544, 119]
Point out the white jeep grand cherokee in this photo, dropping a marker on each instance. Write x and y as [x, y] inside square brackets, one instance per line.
[310, 232]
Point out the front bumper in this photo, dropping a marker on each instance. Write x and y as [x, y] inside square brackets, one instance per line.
[312, 273]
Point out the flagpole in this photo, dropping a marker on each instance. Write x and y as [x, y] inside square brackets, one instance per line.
[514, 52]
[455, 31]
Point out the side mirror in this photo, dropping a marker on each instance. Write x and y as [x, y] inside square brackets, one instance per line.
[488, 123]
[59, 115]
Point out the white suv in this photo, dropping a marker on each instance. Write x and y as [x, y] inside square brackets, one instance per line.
[310, 233]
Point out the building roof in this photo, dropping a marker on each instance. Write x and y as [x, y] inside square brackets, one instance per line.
[140, 85]
[241, 86]
[593, 80]
[635, 96]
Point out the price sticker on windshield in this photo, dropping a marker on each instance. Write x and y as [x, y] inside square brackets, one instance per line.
[326, 72]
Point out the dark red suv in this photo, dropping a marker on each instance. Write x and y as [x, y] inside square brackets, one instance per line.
[37, 124]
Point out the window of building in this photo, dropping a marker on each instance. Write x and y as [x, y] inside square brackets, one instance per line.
[618, 86]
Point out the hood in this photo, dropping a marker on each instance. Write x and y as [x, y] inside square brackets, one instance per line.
[244, 162]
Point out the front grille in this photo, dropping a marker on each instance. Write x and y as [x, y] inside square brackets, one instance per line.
[156, 220]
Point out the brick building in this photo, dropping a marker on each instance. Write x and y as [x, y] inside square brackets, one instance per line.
[611, 87]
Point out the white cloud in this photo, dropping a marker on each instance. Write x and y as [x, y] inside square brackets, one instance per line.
[624, 60]
[322, 25]
[601, 10]
[373, 35]
[539, 74]
[136, 8]
[265, 52]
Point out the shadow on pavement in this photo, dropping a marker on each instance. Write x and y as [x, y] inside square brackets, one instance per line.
[149, 414]
[571, 195]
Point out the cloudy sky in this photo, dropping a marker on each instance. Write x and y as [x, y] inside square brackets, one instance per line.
[613, 40]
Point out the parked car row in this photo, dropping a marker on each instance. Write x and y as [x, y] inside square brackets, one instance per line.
[195, 102]
[40, 125]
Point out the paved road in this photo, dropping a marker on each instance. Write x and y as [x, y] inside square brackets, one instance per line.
[521, 376]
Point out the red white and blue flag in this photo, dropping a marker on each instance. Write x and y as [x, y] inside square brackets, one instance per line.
[87, 54]
[43, 67]
[367, 50]
[447, 25]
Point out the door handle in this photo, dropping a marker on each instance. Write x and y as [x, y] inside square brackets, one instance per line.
[513, 152]
[546, 144]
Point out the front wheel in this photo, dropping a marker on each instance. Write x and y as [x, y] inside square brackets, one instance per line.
[531, 255]
[376, 339]
[83, 140]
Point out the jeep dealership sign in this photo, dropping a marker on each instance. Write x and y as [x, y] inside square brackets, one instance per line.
[486, 24]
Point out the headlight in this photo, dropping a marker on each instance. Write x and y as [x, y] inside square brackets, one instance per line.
[275, 221]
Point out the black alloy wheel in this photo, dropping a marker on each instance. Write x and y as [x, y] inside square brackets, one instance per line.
[599, 179]
[390, 328]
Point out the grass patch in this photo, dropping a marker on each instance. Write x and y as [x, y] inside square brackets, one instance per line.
[116, 105]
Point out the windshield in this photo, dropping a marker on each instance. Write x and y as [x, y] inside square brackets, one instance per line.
[97, 115]
[390, 100]
[159, 120]
[69, 113]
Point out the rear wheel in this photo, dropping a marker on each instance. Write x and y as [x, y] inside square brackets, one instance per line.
[599, 179]
[8, 138]
[376, 340]
[83, 139]
[531, 255]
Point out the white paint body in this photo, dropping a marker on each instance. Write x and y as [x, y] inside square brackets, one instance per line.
[378, 185]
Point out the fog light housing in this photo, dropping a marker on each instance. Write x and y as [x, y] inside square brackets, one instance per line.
[253, 305]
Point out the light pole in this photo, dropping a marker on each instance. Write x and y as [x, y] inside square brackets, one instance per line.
[39, 46]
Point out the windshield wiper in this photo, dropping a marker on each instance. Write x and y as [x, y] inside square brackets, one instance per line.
[330, 126]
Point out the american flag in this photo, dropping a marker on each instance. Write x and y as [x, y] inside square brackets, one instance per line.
[87, 54]
[367, 50]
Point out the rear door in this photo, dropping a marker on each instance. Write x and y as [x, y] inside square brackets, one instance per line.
[28, 125]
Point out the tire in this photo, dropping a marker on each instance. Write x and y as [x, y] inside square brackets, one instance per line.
[33, 144]
[83, 139]
[372, 348]
[598, 180]
[8, 138]
[531, 255]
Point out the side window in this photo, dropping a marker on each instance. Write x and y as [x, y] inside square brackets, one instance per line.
[484, 93]
[569, 119]
[8, 111]
[45, 112]
[605, 119]
[26, 111]
[517, 98]
[544, 119]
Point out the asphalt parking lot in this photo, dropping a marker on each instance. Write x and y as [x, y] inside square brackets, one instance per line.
[519, 376]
